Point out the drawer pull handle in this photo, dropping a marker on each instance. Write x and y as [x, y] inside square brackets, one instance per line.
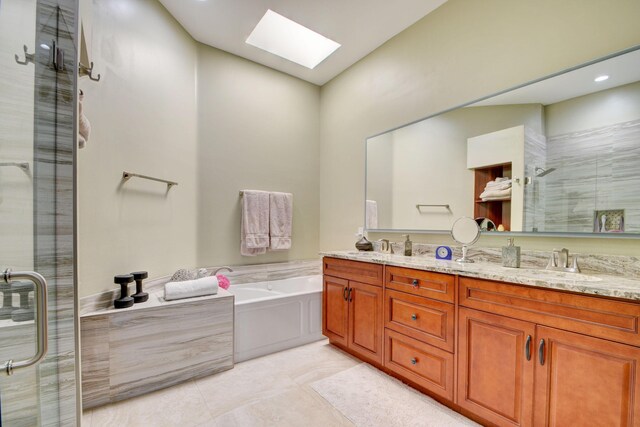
[414, 317]
[527, 347]
[344, 293]
[415, 283]
[350, 298]
[414, 361]
[541, 352]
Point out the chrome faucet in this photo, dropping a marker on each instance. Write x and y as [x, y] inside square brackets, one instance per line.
[559, 261]
[229, 269]
[385, 246]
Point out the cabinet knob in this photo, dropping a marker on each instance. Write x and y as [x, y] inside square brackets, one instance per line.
[414, 361]
[414, 317]
[415, 283]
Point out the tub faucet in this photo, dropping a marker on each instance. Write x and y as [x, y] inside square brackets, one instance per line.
[229, 269]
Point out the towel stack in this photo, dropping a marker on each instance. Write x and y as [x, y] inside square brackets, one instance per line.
[266, 222]
[498, 189]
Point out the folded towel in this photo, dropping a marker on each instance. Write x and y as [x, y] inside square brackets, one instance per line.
[498, 186]
[223, 281]
[498, 182]
[191, 288]
[84, 126]
[280, 220]
[371, 214]
[254, 224]
[488, 199]
[496, 193]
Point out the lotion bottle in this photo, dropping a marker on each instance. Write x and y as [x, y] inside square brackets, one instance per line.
[408, 246]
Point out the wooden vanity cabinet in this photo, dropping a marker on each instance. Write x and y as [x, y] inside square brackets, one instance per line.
[351, 309]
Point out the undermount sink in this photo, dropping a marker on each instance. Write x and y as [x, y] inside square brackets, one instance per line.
[560, 275]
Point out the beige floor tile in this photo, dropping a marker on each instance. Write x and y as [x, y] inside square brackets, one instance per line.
[246, 383]
[86, 418]
[293, 408]
[181, 405]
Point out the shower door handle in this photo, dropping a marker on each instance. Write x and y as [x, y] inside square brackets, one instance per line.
[41, 308]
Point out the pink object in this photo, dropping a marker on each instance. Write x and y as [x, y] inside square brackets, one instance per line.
[223, 282]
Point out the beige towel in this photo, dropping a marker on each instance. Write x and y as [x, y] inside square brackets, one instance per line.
[280, 220]
[371, 215]
[84, 126]
[254, 224]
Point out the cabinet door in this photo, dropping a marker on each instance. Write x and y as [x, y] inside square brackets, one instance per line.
[495, 376]
[365, 320]
[335, 319]
[585, 381]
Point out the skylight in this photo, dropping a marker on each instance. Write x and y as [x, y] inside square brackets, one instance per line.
[290, 40]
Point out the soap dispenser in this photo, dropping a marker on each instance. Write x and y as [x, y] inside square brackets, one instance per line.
[408, 246]
[511, 255]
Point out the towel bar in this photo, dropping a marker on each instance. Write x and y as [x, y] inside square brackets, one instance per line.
[433, 206]
[127, 175]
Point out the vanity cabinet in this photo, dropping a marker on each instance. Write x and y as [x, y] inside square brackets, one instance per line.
[352, 309]
[512, 355]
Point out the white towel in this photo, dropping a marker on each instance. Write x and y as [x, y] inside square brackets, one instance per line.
[84, 126]
[254, 224]
[191, 288]
[280, 220]
[371, 214]
[495, 194]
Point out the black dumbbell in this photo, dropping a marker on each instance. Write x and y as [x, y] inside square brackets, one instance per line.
[139, 296]
[125, 300]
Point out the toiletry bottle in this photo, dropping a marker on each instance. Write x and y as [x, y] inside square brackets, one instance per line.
[408, 246]
[511, 255]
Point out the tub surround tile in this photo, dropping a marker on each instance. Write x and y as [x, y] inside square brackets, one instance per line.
[132, 352]
[488, 266]
[241, 274]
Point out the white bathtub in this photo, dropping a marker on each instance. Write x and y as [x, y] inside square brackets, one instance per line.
[276, 315]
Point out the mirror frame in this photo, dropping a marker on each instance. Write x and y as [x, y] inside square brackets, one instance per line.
[497, 233]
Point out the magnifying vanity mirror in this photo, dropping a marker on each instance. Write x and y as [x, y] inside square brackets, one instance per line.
[559, 156]
[465, 231]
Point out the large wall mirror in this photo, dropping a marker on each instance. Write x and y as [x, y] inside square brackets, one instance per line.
[560, 155]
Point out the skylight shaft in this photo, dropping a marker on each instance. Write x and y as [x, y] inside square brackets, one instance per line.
[290, 40]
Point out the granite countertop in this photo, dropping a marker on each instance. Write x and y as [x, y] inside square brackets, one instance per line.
[587, 283]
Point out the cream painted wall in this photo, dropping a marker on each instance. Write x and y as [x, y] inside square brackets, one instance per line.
[459, 52]
[144, 120]
[258, 129]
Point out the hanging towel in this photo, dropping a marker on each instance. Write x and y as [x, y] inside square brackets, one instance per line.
[254, 224]
[371, 214]
[84, 126]
[191, 288]
[280, 220]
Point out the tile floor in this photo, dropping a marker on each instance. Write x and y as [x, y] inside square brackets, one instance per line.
[274, 390]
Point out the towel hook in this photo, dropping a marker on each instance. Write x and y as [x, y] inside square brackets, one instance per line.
[88, 71]
[28, 57]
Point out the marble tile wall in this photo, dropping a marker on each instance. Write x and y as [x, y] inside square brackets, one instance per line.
[535, 153]
[614, 265]
[596, 169]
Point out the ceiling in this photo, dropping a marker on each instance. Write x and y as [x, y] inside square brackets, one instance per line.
[360, 26]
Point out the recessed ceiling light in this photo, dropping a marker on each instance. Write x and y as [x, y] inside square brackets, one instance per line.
[290, 40]
[601, 78]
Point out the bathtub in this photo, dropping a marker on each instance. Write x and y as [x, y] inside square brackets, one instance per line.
[276, 315]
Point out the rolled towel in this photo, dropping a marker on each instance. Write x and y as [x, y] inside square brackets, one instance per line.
[191, 288]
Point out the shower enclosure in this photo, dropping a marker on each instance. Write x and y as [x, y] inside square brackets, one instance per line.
[37, 262]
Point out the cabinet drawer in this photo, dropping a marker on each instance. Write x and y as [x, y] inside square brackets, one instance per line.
[423, 364]
[363, 272]
[595, 316]
[424, 283]
[420, 318]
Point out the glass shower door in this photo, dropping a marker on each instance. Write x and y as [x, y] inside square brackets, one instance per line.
[34, 390]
